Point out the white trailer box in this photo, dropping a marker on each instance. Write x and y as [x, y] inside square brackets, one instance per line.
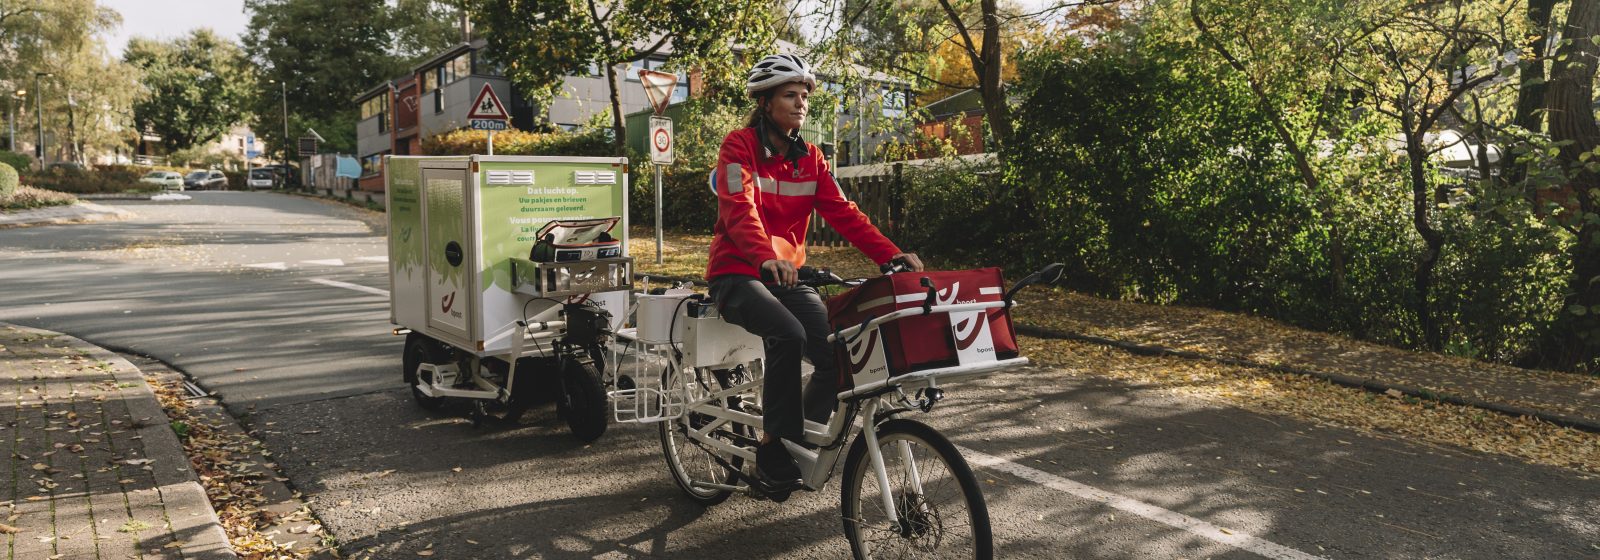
[461, 229]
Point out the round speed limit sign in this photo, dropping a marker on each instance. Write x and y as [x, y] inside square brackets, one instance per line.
[661, 140]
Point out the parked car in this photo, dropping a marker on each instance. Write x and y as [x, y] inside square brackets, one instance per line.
[262, 179]
[202, 179]
[167, 180]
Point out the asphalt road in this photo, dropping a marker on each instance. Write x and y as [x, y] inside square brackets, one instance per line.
[275, 303]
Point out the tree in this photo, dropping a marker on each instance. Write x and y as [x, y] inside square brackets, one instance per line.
[1423, 58]
[1287, 53]
[195, 88]
[543, 41]
[317, 55]
[86, 92]
[1570, 100]
[422, 28]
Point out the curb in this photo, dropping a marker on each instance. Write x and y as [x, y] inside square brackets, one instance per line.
[1367, 384]
[179, 489]
[83, 212]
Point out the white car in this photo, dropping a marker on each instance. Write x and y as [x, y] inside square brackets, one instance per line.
[167, 180]
[262, 179]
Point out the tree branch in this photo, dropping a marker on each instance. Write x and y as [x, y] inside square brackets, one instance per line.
[966, 37]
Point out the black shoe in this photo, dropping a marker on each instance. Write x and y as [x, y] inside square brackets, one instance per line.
[776, 469]
[819, 399]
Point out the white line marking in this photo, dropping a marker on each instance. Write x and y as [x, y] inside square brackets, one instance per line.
[1166, 517]
[379, 258]
[349, 286]
[326, 262]
[268, 266]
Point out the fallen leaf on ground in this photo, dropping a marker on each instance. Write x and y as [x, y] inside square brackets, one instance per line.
[9, 530]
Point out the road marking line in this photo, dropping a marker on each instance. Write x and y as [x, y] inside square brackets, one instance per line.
[349, 286]
[1170, 518]
[326, 262]
[269, 266]
[378, 259]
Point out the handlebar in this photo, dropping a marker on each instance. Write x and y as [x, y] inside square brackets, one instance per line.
[809, 276]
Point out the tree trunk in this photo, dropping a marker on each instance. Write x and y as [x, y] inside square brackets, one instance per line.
[1422, 203]
[1530, 89]
[990, 86]
[620, 142]
[1572, 121]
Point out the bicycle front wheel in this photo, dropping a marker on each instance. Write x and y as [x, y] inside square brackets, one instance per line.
[939, 509]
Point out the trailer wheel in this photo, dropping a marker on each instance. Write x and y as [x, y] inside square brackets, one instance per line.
[422, 350]
[583, 401]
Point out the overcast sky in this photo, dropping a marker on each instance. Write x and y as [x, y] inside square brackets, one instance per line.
[168, 19]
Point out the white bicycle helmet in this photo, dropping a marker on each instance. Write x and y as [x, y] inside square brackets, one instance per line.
[779, 69]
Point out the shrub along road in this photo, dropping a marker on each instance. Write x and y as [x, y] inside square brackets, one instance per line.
[276, 305]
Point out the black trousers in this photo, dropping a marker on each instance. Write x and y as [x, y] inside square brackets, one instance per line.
[793, 322]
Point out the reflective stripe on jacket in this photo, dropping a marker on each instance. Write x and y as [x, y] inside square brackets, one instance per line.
[764, 209]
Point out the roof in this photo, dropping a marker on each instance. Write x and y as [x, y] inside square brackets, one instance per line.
[450, 53]
[375, 90]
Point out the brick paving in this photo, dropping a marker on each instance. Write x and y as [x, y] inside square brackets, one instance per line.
[93, 470]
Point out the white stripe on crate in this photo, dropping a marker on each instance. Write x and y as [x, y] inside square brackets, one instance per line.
[349, 286]
[989, 290]
[326, 262]
[269, 266]
[377, 259]
[1166, 517]
[873, 303]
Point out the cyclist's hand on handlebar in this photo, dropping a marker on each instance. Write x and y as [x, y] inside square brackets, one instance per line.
[780, 272]
[910, 259]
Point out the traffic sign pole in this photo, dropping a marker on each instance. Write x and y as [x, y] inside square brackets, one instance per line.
[491, 142]
[658, 214]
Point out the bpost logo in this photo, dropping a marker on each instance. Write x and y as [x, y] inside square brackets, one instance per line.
[866, 357]
[968, 329]
[446, 302]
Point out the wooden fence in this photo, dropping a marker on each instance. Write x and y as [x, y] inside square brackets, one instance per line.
[878, 196]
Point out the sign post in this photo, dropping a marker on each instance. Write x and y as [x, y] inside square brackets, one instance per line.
[488, 113]
[658, 88]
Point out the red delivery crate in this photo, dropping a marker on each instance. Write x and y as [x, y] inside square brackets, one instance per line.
[920, 342]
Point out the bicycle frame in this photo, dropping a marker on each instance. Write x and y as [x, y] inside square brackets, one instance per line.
[824, 445]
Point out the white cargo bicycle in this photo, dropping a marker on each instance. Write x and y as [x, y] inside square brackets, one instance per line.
[907, 491]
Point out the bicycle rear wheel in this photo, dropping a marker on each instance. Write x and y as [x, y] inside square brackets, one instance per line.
[940, 512]
[692, 465]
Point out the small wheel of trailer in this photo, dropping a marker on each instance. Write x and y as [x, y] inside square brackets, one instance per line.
[583, 401]
[422, 350]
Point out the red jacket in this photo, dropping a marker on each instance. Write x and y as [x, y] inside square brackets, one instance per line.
[755, 224]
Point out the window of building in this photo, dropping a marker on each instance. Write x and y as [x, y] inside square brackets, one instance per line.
[680, 93]
[482, 65]
[372, 165]
[377, 106]
[893, 102]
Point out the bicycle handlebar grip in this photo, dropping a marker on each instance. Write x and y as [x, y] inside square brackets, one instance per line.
[895, 266]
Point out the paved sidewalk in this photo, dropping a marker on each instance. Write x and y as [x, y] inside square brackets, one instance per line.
[72, 213]
[95, 470]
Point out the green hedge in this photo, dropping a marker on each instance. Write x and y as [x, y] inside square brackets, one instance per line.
[8, 181]
[103, 179]
[19, 162]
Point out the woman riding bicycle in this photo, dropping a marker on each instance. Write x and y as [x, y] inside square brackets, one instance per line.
[769, 182]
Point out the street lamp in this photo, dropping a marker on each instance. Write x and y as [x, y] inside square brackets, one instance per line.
[38, 97]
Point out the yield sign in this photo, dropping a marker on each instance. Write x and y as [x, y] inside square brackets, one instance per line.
[488, 106]
[658, 87]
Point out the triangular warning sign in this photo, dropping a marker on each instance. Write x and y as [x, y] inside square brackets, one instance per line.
[488, 106]
[658, 87]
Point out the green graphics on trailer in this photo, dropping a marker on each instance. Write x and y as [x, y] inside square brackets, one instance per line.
[515, 199]
[408, 238]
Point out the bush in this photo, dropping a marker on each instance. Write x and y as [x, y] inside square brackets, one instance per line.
[28, 197]
[105, 179]
[8, 181]
[19, 162]
[519, 143]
